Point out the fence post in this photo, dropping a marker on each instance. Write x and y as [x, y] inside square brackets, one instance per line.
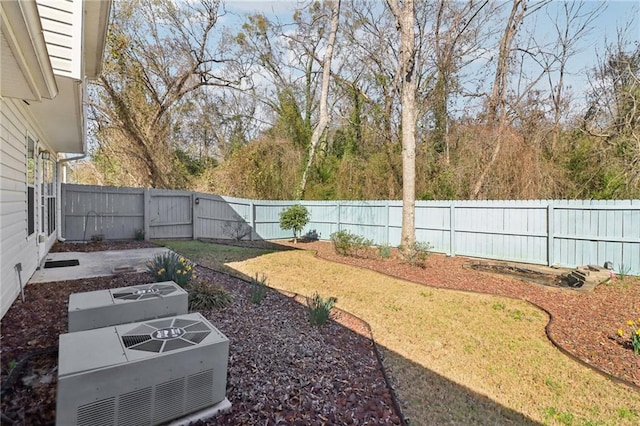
[194, 216]
[452, 229]
[550, 255]
[146, 197]
[252, 219]
[338, 218]
[386, 223]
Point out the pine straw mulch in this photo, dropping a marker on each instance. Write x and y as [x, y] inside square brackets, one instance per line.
[584, 325]
[281, 369]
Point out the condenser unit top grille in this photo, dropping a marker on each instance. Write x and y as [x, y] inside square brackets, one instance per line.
[165, 335]
[142, 292]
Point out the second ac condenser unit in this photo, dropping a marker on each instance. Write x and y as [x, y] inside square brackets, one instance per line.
[144, 373]
[102, 308]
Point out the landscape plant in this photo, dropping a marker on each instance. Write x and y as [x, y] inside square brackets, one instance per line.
[634, 334]
[319, 308]
[384, 251]
[347, 244]
[295, 218]
[623, 271]
[138, 235]
[416, 253]
[258, 289]
[170, 266]
[203, 296]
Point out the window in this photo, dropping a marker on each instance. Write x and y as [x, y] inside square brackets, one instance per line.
[31, 189]
[48, 192]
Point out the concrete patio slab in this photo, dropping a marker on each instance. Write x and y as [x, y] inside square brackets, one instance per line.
[95, 264]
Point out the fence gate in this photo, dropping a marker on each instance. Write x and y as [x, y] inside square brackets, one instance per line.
[170, 214]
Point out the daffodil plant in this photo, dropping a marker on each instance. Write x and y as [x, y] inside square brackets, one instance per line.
[634, 334]
[171, 266]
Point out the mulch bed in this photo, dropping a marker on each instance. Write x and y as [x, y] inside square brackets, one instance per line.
[281, 369]
[585, 325]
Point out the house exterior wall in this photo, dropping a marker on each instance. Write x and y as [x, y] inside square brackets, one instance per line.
[16, 123]
[62, 30]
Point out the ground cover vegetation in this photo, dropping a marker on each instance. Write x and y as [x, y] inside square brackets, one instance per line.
[186, 103]
[464, 356]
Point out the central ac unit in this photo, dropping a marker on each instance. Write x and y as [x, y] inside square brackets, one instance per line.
[143, 373]
[102, 308]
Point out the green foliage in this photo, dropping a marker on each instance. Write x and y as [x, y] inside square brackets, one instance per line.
[171, 266]
[634, 334]
[623, 271]
[319, 309]
[295, 218]
[203, 296]
[347, 244]
[138, 235]
[258, 289]
[416, 254]
[188, 166]
[384, 251]
[290, 122]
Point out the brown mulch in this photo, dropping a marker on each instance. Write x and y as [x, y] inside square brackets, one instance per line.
[584, 325]
[281, 369]
[92, 246]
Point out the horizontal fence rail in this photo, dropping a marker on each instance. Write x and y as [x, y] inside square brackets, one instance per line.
[565, 233]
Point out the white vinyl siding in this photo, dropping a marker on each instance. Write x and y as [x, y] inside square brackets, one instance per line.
[15, 246]
[62, 28]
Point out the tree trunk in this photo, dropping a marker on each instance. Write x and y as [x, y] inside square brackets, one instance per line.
[405, 15]
[323, 119]
[496, 114]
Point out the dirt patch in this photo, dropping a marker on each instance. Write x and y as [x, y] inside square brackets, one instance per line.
[92, 246]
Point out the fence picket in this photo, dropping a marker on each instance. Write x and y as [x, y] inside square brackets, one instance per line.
[562, 232]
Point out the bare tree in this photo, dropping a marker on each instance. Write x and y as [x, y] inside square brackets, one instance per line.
[405, 16]
[496, 111]
[323, 118]
[158, 53]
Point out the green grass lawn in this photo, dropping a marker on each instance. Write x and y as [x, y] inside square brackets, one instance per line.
[455, 357]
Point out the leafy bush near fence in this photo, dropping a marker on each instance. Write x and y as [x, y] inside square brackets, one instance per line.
[416, 254]
[347, 244]
[295, 218]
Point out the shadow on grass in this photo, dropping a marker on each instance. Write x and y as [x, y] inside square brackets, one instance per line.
[216, 253]
[436, 400]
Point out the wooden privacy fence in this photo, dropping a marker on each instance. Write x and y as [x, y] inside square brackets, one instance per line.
[549, 232]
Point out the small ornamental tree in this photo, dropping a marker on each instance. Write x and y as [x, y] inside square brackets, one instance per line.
[295, 218]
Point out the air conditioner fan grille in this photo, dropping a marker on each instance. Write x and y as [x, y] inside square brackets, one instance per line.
[166, 335]
[144, 292]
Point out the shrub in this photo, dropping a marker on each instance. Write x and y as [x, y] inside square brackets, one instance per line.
[295, 217]
[319, 309]
[203, 296]
[171, 266]
[416, 254]
[634, 335]
[348, 244]
[236, 230]
[138, 235]
[384, 251]
[258, 289]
